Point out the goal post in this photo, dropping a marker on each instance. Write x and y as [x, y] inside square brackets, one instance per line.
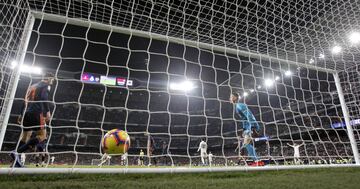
[13, 83]
[349, 127]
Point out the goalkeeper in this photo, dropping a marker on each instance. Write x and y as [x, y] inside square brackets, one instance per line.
[249, 123]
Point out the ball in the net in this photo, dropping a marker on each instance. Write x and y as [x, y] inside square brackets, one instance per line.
[115, 141]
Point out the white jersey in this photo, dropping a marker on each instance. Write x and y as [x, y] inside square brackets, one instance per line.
[202, 147]
[52, 159]
[210, 157]
[296, 150]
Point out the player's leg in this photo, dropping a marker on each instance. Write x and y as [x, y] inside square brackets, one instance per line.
[41, 135]
[29, 122]
[34, 120]
[153, 158]
[206, 158]
[149, 154]
[25, 136]
[41, 148]
[202, 155]
[296, 159]
[248, 146]
[102, 160]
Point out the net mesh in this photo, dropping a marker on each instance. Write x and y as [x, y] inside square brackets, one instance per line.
[12, 23]
[293, 103]
[292, 30]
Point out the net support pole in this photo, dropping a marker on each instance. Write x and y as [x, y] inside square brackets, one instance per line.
[9, 100]
[347, 119]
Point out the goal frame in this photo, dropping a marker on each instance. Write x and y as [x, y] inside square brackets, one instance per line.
[11, 90]
[32, 15]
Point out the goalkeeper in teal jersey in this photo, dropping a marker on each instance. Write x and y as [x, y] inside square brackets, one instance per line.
[248, 123]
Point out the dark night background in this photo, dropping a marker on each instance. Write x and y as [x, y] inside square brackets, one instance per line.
[297, 108]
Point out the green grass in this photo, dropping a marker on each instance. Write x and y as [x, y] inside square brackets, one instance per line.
[308, 178]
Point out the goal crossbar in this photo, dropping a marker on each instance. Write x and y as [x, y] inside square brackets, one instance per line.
[212, 47]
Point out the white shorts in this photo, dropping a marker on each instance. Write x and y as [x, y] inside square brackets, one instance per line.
[203, 154]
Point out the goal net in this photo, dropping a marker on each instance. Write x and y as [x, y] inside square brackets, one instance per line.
[164, 70]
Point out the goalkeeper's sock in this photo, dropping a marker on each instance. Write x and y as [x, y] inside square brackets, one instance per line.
[31, 142]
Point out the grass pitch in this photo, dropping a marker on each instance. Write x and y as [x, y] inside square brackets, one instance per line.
[308, 178]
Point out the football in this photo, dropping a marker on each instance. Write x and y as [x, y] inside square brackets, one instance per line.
[115, 141]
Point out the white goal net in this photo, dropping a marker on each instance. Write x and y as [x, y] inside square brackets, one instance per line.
[164, 71]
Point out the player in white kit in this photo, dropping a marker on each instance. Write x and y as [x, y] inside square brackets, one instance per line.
[203, 154]
[52, 159]
[105, 158]
[23, 158]
[210, 159]
[296, 152]
[124, 159]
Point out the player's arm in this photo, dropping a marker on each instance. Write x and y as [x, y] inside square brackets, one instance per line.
[199, 147]
[290, 145]
[257, 127]
[45, 105]
[302, 144]
[23, 106]
[19, 119]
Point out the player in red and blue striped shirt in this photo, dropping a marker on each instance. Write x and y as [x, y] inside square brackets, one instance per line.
[35, 114]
